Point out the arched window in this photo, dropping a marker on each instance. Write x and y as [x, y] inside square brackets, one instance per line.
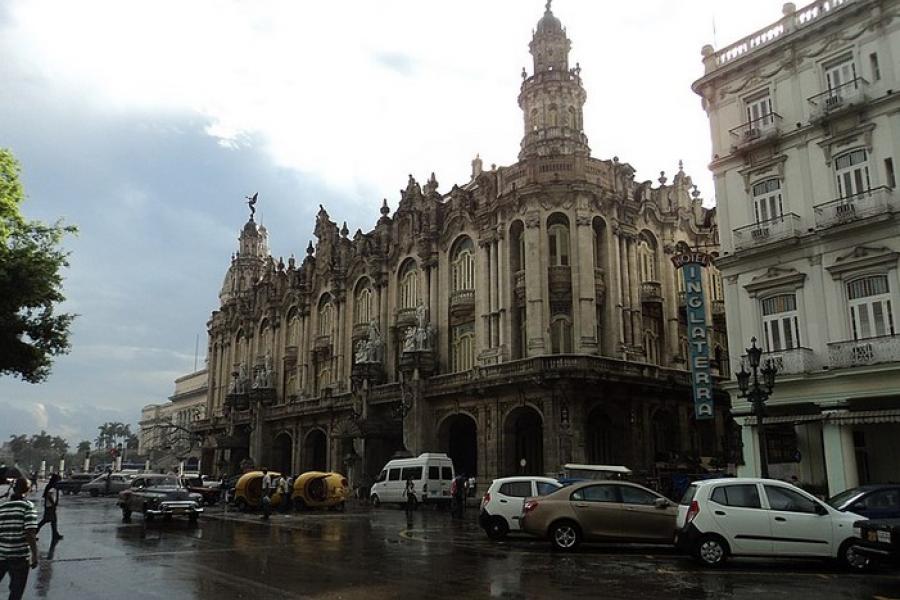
[558, 237]
[409, 285]
[362, 304]
[573, 119]
[324, 378]
[293, 327]
[462, 347]
[462, 268]
[767, 202]
[852, 170]
[535, 119]
[870, 307]
[780, 322]
[326, 316]
[561, 335]
[553, 119]
[647, 259]
[651, 346]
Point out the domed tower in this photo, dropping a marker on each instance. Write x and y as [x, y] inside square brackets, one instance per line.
[552, 99]
[247, 265]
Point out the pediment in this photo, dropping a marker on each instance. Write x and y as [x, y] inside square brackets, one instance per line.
[863, 257]
[775, 277]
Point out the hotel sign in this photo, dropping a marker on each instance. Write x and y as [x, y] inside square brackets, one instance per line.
[692, 265]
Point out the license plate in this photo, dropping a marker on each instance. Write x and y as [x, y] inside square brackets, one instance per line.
[872, 536]
[884, 536]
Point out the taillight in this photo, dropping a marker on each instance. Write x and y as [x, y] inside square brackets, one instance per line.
[692, 513]
[529, 506]
[486, 498]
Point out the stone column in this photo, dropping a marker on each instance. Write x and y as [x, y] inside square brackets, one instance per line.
[612, 328]
[750, 443]
[668, 275]
[534, 286]
[502, 300]
[625, 291]
[483, 295]
[635, 294]
[840, 457]
[493, 275]
[584, 295]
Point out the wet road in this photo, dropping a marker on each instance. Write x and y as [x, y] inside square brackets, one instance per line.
[374, 554]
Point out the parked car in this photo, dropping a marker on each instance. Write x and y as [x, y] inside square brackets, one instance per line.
[719, 518]
[208, 495]
[573, 473]
[596, 511]
[315, 489]
[99, 486]
[502, 503]
[431, 474]
[879, 540]
[248, 491]
[74, 483]
[159, 495]
[874, 501]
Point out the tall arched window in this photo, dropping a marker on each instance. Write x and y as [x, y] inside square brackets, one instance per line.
[462, 347]
[324, 377]
[767, 202]
[647, 258]
[462, 267]
[558, 238]
[326, 316]
[409, 285]
[561, 335]
[362, 304]
[870, 307]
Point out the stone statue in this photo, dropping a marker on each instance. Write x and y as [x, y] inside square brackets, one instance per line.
[419, 338]
[409, 341]
[369, 349]
[243, 378]
[269, 378]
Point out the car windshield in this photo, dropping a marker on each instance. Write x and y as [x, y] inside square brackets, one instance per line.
[844, 497]
[163, 481]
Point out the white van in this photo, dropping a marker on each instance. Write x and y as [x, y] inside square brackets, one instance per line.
[431, 475]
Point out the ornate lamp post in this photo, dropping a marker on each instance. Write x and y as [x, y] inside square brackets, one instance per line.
[757, 394]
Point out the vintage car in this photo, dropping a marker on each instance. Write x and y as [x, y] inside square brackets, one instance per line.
[315, 489]
[73, 483]
[209, 495]
[107, 483]
[248, 491]
[879, 540]
[159, 495]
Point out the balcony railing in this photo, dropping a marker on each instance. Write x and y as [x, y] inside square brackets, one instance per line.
[519, 285]
[756, 130]
[791, 362]
[870, 351]
[600, 282]
[852, 208]
[838, 97]
[406, 316]
[651, 291]
[462, 301]
[766, 232]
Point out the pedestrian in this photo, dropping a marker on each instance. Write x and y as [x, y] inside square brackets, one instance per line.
[286, 489]
[51, 503]
[18, 524]
[34, 481]
[266, 498]
[410, 493]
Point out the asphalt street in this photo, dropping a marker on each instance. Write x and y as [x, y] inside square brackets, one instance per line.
[383, 553]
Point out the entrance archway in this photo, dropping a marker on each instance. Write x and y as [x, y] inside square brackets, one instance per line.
[524, 433]
[458, 437]
[315, 451]
[282, 448]
[604, 442]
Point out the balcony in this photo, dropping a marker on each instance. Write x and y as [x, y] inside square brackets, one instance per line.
[651, 291]
[785, 227]
[462, 302]
[860, 353]
[322, 342]
[360, 331]
[519, 286]
[758, 131]
[791, 362]
[406, 317]
[839, 98]
[870, 203]
[560, 281]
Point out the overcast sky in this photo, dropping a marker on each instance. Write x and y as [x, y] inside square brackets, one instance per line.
[145, 123]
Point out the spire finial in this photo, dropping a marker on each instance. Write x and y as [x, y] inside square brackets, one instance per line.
[547, 6]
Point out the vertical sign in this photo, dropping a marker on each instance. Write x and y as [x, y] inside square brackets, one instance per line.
[692, 265]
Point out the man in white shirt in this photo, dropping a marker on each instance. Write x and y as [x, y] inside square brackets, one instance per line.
[266, 499]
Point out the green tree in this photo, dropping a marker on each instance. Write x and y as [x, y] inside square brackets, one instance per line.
[31, 333]
[84, 447]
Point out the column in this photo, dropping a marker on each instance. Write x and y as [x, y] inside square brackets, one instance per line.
[750, 449]
[483, 295]
[670, 308]
[502, 279]
[635, 294]
[493, 275]
[612, 330]
[584, 295]
[624, 291]
[840, 457]
[534, 288]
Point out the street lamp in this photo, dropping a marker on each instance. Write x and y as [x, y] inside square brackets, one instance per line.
[757, 393]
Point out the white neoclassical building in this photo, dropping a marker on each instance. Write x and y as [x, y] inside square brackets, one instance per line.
[165, 429]
[805, 134]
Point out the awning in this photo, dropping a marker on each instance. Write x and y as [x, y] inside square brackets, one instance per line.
[751, 420]
[866, 417]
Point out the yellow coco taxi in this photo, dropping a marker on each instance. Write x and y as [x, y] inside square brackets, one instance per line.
[248, 491]
[315, 489]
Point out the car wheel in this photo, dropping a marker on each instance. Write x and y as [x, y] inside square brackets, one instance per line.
[565, 536]
[95, 493]
[850, 559]
[496, 528]
[711, 550]
[375, 501]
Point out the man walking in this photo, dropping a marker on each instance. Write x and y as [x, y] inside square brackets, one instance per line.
[287, 488]
[266, 499]
[51, 502]
[18, 524]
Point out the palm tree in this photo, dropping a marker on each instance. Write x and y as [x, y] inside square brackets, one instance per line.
[84, 447]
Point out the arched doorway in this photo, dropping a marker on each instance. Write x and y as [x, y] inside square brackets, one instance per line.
[282, 448]
[664, 432]
[458, 437]
[604, 442]
[524, 433]
[315, 451]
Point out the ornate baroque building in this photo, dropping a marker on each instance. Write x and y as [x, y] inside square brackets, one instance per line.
[527, 318]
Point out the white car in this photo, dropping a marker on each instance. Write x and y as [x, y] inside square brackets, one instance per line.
[719, 518]
[501, 505]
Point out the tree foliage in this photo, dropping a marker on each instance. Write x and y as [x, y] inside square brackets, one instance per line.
[113, 433]
[29, 451]
[31, 333]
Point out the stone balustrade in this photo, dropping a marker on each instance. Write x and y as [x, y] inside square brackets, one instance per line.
[870, 203]
[766, 232]
[870, 351]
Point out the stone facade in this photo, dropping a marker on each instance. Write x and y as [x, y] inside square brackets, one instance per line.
[165, 436]
[524, 319]
[805, 123]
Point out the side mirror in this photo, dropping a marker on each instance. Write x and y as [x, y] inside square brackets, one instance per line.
[821, 510]
[661, 503]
